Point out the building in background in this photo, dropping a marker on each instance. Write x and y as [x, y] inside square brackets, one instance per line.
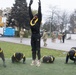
[3, 16]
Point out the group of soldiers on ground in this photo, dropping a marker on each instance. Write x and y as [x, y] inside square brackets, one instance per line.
[35, 23]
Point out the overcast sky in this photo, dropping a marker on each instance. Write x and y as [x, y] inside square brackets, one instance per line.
[63, 4]
[68, 5]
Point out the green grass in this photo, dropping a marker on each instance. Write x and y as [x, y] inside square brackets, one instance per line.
[10, 48]
[57, 68]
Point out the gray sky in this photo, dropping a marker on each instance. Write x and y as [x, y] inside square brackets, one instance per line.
[68, 5]
[63, 4]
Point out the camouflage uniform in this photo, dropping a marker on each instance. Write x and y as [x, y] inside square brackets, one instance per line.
[53, 36]
[60, 37]
[44, 37]
[21, 35]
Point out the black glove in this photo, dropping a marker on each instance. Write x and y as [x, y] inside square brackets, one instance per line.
[31, 1]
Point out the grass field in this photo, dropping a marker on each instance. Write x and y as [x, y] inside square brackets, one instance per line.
[10, 48]
[57, 68]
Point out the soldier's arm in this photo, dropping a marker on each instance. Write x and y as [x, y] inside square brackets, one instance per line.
[67, 58]
[24, 58]
[39, 11]
[30, 10]
[13, 59]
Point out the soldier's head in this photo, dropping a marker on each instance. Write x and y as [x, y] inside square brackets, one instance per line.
[35, 16]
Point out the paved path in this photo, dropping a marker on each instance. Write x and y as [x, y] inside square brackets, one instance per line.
[57, 45]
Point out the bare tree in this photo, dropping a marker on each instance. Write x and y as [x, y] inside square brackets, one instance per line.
[64, 21]
[58, 20]
[53, 18]
[72, 21]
